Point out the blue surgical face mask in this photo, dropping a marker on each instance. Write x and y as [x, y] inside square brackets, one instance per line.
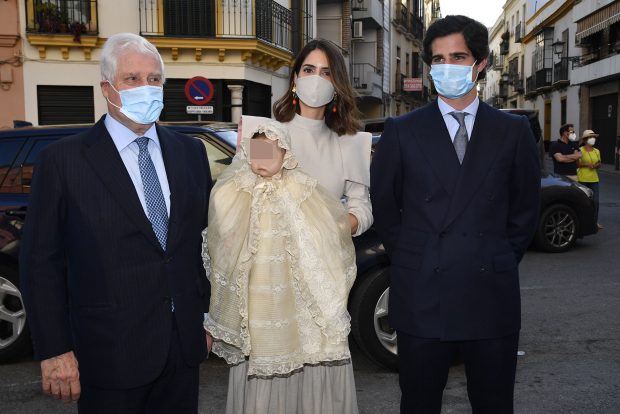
[142, 104]
[452, 81]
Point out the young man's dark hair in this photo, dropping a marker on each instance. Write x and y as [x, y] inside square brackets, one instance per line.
[475, 33]
[565, 128]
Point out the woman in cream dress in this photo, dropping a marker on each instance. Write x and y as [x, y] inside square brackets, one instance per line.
[320, 112]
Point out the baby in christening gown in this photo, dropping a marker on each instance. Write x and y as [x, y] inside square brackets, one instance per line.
[281, 263]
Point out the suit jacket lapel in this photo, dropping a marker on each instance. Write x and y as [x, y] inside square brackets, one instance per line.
[436, 145]
[105, 160]
[173, 161]
[476, 163]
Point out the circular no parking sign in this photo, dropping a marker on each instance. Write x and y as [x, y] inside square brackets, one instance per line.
[199, 90]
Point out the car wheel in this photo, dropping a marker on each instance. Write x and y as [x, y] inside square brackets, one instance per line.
[14, 334]
[369, 318]
[558, 229]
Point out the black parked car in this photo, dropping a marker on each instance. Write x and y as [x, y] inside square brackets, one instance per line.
[18, 151]
[567, 214]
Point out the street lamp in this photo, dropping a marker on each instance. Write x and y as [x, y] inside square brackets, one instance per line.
[558, 49]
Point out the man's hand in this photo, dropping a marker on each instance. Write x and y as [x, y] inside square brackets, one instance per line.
[209, 342]
[61, 378]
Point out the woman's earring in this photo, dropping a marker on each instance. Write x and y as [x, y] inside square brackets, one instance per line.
[334, 109]
[294, 90]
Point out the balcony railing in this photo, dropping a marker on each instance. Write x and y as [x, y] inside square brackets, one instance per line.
[402, 16]
[262, 19]
[518, 33]
[504, 47]
[416, 27]
[362, 75]
[544, 78]
[74, 17]
[560, 71]
[503, 89]
[517, 84]
[530, 85]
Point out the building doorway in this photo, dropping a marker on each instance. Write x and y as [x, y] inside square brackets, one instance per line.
[604, 121]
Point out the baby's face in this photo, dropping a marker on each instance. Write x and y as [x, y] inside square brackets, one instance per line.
[266, 158]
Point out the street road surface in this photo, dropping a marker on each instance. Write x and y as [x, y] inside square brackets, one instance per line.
[570, 339]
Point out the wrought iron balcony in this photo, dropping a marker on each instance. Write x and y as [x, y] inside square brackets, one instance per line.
[504, 47]
[503, 89]
[560, 73]
[517, 84]
[518, 33]
[416, 27]
[266, 20]
[401, 18]
[544, 78]
[366, 80]
[530, 85]
[62, 17]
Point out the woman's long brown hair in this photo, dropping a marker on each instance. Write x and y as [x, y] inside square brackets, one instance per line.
[345, 119]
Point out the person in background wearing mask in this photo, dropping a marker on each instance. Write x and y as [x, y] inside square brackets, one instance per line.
[588, 165]
[110, 263]
[320, 113]
[565, 152]
[455, 189]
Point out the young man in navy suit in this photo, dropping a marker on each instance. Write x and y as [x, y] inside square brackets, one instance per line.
[111, 262]
[455, 194]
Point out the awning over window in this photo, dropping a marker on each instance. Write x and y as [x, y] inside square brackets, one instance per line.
[598, 21]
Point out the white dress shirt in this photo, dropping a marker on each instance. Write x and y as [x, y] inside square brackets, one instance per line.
[124, 140]
[451, 123]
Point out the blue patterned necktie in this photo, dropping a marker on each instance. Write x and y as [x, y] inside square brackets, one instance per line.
[460, 139]
[154, 197]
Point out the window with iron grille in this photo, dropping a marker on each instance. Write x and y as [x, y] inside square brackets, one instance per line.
[61, 16]
[189, 18]
[543, 52]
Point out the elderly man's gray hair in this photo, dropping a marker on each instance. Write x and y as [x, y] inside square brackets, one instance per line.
[121, 43]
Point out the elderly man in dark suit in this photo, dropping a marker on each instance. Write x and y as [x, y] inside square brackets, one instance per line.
[455, 194]
[111, 261]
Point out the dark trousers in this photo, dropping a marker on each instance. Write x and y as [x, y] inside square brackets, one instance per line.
[490, 367]
[174, 391]
[595, 192]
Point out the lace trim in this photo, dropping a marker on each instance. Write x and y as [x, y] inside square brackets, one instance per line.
[337, 363]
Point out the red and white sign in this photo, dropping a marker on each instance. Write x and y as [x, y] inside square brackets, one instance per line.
[199, 90]
[412, 84]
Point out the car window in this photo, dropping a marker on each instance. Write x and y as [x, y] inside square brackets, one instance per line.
[9, 177]
[218, 157]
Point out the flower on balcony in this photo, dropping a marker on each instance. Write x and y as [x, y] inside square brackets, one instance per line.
[52, 19]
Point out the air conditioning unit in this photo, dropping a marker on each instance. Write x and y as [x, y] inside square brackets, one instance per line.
[358, 30]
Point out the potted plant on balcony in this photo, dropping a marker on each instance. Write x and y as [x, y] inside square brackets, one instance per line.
[52, 19]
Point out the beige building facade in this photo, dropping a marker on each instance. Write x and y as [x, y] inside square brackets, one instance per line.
[249, 46]
[12, 106]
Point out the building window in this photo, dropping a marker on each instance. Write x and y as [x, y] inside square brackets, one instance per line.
[65, 104]
[76, 17]
[543, 52]
[563, 110]
[407, 64]
[196, 18]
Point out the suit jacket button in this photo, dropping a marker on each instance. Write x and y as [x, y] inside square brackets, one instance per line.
[483, 269]
[427, 199]
[442, 234]
[436, 270]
